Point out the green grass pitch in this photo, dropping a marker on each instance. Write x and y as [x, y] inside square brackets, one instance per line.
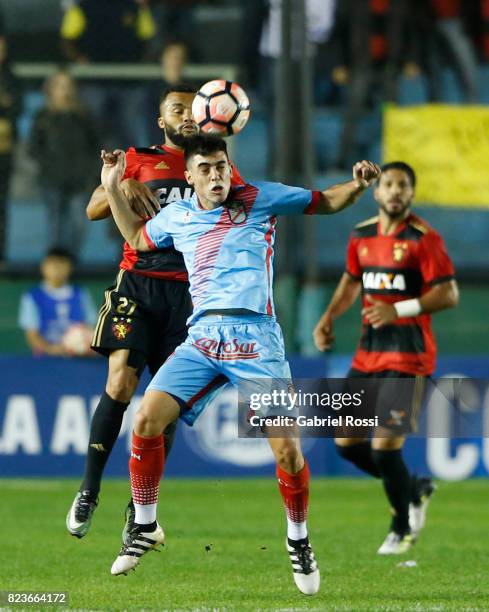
[225, 548]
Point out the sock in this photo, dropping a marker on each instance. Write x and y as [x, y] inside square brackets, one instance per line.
[294, 489]
[104, 430]
[169, 435]
[397, 485]
[146, 468]
[361, 456]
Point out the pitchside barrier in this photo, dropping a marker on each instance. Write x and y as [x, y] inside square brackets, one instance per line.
[45, 408]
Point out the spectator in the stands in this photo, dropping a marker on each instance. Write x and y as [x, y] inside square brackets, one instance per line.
[106, 31]
[10, 108]
[373, 42]
[65, 144]
[173, 60]
[175, 20]
[48, 310]
[319, 23]
[110, 31]
[447, 43]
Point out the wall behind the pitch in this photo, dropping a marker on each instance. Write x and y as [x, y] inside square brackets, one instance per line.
[464, 330]
[45, 408]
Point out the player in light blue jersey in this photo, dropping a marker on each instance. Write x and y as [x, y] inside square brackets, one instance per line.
[226, 238]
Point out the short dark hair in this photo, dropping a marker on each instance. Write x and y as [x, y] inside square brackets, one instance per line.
[399, 165]
[204, 144]
[59, 252]
[178, 88]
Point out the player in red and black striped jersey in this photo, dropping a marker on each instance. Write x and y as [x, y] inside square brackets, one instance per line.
[402, 269]
[143, 317]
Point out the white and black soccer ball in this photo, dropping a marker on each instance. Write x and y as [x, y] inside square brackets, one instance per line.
[77, 340]
[221, 107]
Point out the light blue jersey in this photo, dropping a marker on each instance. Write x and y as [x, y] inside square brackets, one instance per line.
[228, 251]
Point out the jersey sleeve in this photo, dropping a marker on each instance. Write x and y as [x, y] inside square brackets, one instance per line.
[156, 231]
[28, 313]
[132, 164]
[282, 199]
[434, 262]
[353, 267]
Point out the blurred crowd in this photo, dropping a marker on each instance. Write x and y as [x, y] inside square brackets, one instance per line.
[360, 50]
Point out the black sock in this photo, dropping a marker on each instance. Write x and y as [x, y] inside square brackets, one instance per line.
[105, 427]
[397, 484]
[169, 437]
[360, 455]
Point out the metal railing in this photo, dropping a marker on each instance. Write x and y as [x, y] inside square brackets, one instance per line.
[31, 70]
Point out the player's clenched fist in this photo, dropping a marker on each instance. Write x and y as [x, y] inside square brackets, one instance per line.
[113, 168]
[365, 173]
[323, 333]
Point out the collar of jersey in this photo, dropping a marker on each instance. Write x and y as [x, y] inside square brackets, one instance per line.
[195, 201]
[403, 226]
[58, 293]
[166, 149]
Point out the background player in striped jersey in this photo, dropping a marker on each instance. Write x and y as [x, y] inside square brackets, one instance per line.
[401, 266]
[226, 237]
[143, 318]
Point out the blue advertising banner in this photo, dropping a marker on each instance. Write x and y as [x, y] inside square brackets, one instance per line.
[46, 405]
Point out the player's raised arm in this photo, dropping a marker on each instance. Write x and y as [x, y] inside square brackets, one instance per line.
[129, 223]
[338, 197]
[98, 207]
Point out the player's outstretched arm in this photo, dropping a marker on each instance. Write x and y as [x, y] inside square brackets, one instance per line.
[440, 297]
[140, 198]
[343, 298]
[129, 223]
[338, 197]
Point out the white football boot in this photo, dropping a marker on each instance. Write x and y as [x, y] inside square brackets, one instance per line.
[396, 544]
[425, 488]
[137, 544]
[304, 566]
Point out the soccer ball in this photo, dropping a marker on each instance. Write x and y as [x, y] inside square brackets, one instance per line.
[221, 107]
[77, 340]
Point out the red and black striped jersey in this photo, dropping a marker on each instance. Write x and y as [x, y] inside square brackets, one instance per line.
[162, 170]
[402, 265]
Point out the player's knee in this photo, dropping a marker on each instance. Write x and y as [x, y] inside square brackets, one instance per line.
[289, 457]
[122, 384]
[388, 444]
[154, 415]
[148, 421]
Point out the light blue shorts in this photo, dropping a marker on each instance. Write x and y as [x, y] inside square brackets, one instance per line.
[246, 350]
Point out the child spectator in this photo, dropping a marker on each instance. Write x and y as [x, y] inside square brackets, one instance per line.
[48, 310]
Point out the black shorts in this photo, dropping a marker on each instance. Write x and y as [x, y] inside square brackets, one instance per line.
[394, 397]
[146, 315]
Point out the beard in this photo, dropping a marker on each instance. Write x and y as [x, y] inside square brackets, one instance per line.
[395, 214]
[177, 138]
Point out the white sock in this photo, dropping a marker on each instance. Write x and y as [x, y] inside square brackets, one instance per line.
[145, 514]
[296, 531]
